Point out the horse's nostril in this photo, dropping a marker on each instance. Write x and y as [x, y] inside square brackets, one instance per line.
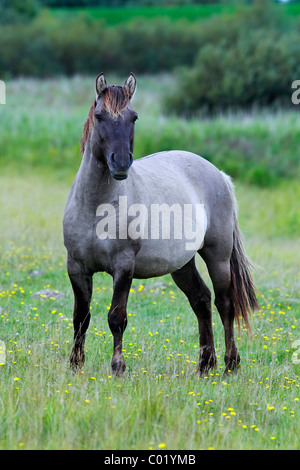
[113, 157]
[131, 157]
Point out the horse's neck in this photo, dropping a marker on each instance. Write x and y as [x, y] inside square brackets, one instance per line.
[93, 182]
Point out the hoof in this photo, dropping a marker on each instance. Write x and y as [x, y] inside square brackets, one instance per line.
[207, 361]
[232, 364]
[118, 366]
[77, 359]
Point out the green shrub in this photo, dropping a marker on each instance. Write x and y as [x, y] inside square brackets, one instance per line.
[152, 46]
[257, 71]
[15, 11]
[247, 61]
[85, 45]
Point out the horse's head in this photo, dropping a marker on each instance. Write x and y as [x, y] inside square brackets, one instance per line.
[113, 127]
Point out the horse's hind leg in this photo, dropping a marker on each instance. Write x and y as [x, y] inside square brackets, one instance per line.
[82, 288]
[220, 274]
[189, 281]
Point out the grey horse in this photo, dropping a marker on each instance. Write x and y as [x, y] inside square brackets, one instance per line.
[137, 219]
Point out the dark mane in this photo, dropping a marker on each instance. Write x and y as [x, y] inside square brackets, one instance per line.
[115, 101]
[88, 125]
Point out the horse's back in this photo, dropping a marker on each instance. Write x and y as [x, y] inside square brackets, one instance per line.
[188, 162]
[183, 175]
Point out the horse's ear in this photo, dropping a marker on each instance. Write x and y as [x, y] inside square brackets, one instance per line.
[101, 84]
[130, 85]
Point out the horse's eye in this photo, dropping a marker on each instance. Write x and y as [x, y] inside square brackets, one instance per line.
[98, 117]
[135, 118]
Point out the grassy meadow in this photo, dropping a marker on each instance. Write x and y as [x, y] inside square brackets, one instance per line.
[120, 15]
[160, 403]
[190, 13]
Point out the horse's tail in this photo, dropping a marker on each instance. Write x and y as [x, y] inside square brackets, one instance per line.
[242, 289]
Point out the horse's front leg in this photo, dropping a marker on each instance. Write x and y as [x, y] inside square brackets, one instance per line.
[82, 287]
[117, 315]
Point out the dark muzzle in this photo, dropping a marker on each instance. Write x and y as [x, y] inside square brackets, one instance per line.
[119, 165]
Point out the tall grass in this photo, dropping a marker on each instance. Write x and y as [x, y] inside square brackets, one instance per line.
[160, 402]
[258, 148]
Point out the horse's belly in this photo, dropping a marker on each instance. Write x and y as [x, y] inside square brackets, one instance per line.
[176, 244]
[158, 258]
[163, 242]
